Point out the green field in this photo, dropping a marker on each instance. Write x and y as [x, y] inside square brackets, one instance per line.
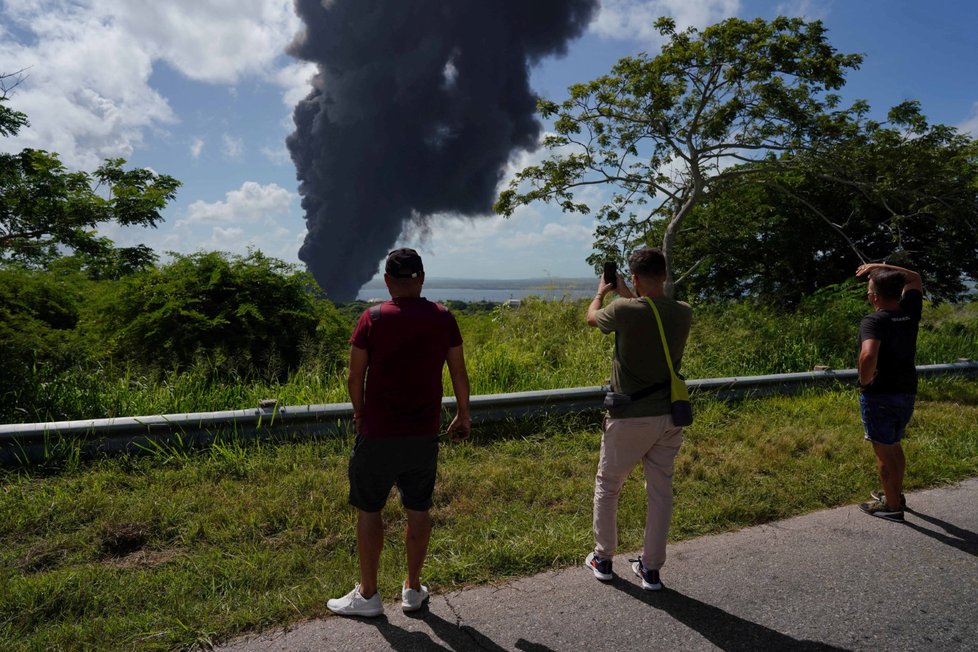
[185, 547]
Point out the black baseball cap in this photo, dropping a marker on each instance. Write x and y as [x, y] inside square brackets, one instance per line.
[404, 263]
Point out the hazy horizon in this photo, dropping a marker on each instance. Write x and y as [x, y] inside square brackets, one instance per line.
[542, 282]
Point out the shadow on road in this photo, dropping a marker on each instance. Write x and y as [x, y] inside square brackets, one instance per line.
[458, 637]
[964, 540]
[723, 629]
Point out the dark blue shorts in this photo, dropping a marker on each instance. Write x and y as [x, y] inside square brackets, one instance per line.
[377, 465]
[885, 416]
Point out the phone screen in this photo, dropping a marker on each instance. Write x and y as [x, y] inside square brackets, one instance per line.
[610, 272]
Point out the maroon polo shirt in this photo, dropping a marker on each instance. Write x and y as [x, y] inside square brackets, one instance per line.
[406, 350]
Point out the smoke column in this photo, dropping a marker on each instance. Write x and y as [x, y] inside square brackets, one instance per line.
[416, 107]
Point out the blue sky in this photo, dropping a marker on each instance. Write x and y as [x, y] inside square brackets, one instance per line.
[203, 91]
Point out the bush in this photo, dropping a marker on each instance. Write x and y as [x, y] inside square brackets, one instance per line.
[38, 316]
[246, 315]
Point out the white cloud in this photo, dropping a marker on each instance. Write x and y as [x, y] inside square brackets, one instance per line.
[253, 217]
[251, 203]
[89, 62]
[218, 41]
[277, 155]
[536, 241]
[222, 235]
[970, 126]
[461, 234]
[635, 19]
[528, 227]
[804, 9]
[196, 147]
[567, 231]
[233, 147]
[552, 233]
[84, 89]
[294, 78]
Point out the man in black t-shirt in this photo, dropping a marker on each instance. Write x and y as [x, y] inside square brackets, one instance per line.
[888, 376]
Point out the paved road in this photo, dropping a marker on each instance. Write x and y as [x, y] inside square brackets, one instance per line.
[831, 580]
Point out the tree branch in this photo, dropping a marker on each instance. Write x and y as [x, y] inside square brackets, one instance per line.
[692, 269]
[835, 227]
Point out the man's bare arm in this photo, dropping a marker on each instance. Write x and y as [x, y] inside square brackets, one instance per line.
[355, 382]
[868, 356]
[912, 280]
[462, 423]
[598, 300]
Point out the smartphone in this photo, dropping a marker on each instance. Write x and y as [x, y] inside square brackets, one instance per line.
[611, 272]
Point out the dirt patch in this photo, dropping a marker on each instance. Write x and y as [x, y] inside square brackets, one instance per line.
[41, 558]
[122, 539]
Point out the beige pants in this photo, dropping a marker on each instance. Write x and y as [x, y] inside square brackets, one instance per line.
[654, 441]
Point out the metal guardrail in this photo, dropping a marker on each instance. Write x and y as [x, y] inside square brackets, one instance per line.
[20, 442]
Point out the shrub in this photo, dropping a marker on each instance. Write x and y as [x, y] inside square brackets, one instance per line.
[38, 315]
[248, 315]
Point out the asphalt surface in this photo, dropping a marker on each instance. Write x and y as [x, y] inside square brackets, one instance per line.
[831, 580]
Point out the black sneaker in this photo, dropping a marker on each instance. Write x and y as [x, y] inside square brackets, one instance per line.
[650, 578]
[600, 567]
[879, 509]
[880, 495]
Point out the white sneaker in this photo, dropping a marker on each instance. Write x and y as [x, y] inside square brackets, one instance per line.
[412, 600]
[354, 604]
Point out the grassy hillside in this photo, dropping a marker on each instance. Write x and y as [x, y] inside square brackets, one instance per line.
[185, 548]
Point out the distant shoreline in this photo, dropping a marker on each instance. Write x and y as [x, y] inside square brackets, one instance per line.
[489, 290]
[498, 284]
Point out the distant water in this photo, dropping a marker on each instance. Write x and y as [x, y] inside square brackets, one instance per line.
[482, 290]
[483, 294]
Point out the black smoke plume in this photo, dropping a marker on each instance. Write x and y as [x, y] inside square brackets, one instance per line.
[416, 108]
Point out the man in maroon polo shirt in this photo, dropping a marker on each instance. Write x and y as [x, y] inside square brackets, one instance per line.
[398, 351]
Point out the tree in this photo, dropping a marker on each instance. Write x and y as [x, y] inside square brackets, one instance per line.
[904, 192]
[10, 121]
[662, 130]
[914, 190]
[45, 209]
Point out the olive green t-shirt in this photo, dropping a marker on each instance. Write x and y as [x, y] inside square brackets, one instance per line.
[639, 361]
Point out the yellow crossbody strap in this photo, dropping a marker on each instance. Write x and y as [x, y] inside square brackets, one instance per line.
[678, 389]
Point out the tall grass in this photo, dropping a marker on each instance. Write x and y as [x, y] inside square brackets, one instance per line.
[540, 345]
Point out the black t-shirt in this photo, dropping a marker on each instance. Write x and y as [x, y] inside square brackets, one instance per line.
[896, 371]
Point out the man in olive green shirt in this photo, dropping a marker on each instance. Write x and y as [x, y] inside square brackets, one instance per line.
[641, 430]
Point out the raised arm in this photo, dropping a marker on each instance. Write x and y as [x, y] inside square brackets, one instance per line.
[598, 300]
[912, 279]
